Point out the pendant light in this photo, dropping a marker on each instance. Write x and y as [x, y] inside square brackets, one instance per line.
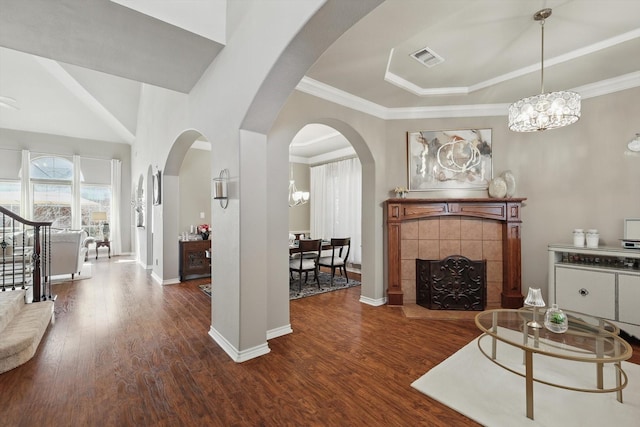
[548, 110]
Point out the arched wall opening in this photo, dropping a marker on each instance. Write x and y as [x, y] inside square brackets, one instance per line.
[324, 164]
[170, 207]
[283, 132]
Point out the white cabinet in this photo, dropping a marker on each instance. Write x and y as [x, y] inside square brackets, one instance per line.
[586, 291]
[603, 282]
[629, 298]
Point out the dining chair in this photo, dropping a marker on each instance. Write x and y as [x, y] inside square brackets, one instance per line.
[307, 261]
[338, 260]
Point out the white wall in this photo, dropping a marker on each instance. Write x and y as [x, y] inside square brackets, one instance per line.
[161, 119]
[217, 107]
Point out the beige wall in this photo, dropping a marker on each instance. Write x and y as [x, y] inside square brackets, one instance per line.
[299, 216]
[195, 190]
[574, 177]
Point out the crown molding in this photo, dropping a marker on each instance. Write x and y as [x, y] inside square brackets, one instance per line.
[605, 87]
[343, 153]
[465, 90]
[340, 97]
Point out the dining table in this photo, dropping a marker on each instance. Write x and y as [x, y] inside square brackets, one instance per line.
[293, 247]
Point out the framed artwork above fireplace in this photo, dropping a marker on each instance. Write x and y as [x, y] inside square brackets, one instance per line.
[449, 159]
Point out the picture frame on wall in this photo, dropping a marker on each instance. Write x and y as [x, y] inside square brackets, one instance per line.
[449, 159]
[157, 183]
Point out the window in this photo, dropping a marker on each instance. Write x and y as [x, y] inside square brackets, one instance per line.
[52, 202]
[10, 196]
[51, 179]
[51, 168]
[94, 198]
[52, 192]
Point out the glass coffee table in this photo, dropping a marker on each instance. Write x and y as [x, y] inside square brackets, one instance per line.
[588, 340]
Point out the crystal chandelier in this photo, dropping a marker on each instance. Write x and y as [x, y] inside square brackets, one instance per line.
[296, 198]
[548, 110]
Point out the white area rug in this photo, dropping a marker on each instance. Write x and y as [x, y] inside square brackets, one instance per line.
[471, 384]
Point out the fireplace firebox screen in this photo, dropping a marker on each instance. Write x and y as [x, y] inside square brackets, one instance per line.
[453, 283]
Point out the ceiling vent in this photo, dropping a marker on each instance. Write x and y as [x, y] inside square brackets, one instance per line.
[427, 57]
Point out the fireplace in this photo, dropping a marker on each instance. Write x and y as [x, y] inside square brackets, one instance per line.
[433, 229]
[453, 283]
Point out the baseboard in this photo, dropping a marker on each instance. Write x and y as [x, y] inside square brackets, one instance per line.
[373, 302]
[236, 355]
[278, 332]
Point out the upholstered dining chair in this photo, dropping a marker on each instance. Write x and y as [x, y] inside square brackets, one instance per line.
[307, 261]
[338, 260]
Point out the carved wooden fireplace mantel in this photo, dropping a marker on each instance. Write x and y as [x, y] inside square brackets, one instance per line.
[505, 211]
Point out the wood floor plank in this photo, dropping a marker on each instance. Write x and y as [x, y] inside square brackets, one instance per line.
[125, 351]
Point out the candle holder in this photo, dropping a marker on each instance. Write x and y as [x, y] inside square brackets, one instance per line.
[534, 299]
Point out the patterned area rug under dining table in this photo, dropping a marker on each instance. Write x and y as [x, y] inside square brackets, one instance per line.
[311, 287]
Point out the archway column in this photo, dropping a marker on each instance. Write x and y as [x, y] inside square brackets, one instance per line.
[239, 283]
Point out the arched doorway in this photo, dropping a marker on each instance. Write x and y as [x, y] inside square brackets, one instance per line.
[177, 214]
[323, 162]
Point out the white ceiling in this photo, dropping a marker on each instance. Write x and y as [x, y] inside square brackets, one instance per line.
[100, 51]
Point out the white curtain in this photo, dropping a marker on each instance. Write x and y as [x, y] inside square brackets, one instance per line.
[116, 194]
[76, 213]
[336, 203]
[26, 204]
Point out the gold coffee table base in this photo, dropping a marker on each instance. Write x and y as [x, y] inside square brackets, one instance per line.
[594, 341]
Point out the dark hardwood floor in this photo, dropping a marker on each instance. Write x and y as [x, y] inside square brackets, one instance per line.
[127, 352]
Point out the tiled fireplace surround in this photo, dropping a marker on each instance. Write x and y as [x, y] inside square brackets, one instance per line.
[438, 238]
[436, 228]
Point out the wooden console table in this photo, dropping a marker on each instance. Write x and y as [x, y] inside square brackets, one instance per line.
[195, 259]
[506, 211]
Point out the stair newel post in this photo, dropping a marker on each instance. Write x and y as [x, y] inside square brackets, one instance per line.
[46, 267]
[37, 290]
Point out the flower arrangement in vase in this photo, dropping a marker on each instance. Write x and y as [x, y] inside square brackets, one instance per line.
[204, 231]
[401, 192]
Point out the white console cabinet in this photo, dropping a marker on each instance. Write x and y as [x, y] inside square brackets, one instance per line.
[603, 282]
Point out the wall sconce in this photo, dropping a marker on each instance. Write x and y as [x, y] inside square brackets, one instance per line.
[220, 188]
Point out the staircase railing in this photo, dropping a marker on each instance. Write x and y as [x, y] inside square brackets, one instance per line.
[25, 250]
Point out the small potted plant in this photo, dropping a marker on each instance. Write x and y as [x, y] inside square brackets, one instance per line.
[401, 192]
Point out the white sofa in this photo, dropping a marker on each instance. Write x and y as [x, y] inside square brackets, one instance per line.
[67, 253]
[68, 250]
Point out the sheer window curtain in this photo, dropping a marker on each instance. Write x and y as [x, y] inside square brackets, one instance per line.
[26, 205]
[76, 209]
[116, 194]
[336, 203]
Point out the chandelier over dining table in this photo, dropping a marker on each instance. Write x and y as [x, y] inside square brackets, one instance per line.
[296, 198]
